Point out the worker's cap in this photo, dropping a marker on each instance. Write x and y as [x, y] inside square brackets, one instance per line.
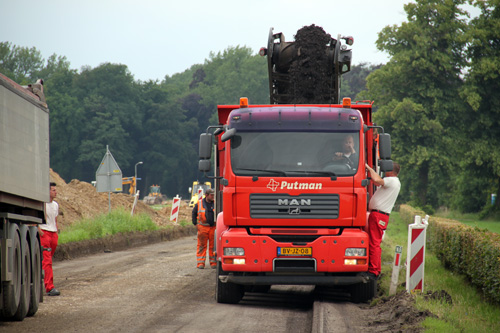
[210, 191]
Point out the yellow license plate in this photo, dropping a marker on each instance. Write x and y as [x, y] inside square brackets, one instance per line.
[294, 251]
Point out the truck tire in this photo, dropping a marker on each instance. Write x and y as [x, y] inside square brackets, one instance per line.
[363, 292]
[11, 290]
[24, 301]
[36, 272]
[228, 293]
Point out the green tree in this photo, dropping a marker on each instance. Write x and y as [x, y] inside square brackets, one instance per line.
[169, 157]
[423, 78]
[354, 81]
[66, 119]
[108, 97]
[20, 64]
[481, 125]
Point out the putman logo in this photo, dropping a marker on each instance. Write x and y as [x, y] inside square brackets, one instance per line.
[273, 185]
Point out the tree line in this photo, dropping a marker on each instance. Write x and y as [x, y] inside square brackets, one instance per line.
[437, 97]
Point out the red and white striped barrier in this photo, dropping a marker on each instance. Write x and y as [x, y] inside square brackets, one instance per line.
[395, 270]
[174, 213]
[200, 194]
[415, 261]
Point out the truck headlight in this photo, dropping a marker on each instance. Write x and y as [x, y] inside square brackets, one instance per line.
[355, 252]
[234, 251]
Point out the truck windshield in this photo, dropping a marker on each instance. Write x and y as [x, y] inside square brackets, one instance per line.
[295, 153]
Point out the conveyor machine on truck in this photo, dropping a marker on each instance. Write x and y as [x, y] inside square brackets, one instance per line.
[24, 188]
[288, 211]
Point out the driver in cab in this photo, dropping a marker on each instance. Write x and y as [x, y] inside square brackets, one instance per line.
[348, 154]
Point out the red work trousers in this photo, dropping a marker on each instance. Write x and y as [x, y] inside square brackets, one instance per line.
[205, 233]
[48, 240]
[377, 223]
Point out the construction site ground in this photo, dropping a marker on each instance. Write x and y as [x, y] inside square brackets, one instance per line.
[126, 283]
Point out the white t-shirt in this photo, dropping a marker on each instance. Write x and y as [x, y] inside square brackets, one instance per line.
[385, 196]
[51, 211]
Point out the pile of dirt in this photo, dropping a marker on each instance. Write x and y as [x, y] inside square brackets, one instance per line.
[78, 199]
[311, 73]
[395, 313]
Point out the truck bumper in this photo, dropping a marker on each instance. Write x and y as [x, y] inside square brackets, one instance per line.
[323, 258]
[294, 280]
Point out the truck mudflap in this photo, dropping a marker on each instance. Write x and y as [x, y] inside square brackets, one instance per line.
[257, 280]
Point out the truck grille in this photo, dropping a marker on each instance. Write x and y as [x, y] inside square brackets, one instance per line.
[285, 206]
[294, 265]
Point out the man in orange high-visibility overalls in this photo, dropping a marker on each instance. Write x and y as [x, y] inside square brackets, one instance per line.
[203, 218]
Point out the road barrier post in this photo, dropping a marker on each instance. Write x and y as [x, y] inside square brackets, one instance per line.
[415, 260]
[136, 197]
[175, 208]
[200, 194]
[395, 270]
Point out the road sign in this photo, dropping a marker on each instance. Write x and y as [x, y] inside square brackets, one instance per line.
[108, 175]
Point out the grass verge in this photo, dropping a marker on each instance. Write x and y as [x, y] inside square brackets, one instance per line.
[473, 219]
[467, 312]
[118, 221]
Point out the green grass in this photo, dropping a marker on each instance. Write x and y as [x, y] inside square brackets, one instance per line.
[118, 221]
[469, 312]
[472, 219]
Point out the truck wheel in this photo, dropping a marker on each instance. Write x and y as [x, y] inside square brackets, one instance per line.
[24, 301]
[229, 293]
[36, 272]
[11, 290]
[363, 292]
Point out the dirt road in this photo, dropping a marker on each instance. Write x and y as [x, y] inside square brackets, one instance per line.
[156, 288]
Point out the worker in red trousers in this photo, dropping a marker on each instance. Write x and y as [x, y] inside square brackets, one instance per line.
[48, 239]
[380, 206]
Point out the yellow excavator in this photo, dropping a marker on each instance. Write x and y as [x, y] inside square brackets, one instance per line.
[194, 191]
[129, 181]
[154, 197]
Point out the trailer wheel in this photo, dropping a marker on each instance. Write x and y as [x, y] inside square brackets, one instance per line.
[363, 292]
[11, 290]
[36, 272]
[229, 293]
[24, 301]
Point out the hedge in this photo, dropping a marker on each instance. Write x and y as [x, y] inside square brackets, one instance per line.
[472, 252]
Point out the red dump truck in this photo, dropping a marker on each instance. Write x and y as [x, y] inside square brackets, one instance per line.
[24, 188]
[291, 208]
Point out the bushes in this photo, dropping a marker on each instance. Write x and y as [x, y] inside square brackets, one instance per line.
[472, 252]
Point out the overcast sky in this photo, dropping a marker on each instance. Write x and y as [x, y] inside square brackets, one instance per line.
[155, 38]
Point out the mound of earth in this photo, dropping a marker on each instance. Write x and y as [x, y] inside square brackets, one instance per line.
[311, 73]
[78, 199]
[395, 313]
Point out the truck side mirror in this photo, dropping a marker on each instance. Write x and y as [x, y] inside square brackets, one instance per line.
[204, 165]
[205, 149]
[385, 146]
[386, 165]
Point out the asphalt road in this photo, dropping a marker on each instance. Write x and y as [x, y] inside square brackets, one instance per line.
[156, 288]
